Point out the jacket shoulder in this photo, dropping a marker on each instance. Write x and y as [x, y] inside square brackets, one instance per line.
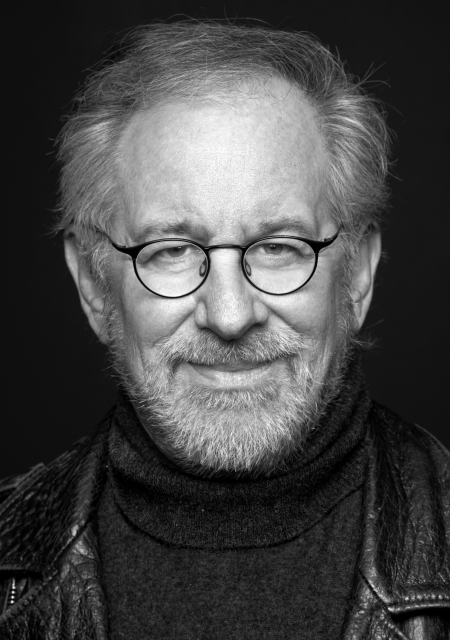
[43, 510]
[36, 479]
[10, 484]
[403, 584]
[408, 512]
[411, 448]
[413, 469]
[42, 514]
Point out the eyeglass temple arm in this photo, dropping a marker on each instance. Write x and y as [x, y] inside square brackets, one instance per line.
[318, 245]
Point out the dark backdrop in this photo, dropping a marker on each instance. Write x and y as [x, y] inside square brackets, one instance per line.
[56, 384]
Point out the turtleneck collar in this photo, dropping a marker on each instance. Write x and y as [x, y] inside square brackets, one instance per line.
[189, 511]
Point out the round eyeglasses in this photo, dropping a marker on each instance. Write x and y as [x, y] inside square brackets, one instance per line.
[175, 267]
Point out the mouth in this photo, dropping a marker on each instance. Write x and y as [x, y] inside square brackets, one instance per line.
[233, 376]
[226, 366]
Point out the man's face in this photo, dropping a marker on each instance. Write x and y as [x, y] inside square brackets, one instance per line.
[228, 378]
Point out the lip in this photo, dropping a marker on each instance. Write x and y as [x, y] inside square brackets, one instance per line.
[240, 366]
[229, 376]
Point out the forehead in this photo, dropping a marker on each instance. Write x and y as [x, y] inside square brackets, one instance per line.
[223, 166]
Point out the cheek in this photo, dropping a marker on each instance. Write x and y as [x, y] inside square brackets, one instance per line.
[313, 311]
[148, 319]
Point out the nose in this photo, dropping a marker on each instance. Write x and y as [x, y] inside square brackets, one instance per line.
[226, 303]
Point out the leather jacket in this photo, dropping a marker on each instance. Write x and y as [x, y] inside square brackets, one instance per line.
[50, 572]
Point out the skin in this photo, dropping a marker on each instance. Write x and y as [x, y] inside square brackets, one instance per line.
[225, 169]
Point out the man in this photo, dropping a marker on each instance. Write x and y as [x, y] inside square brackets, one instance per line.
[221, 191]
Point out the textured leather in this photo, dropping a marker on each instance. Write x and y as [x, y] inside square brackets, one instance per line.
[50, 574]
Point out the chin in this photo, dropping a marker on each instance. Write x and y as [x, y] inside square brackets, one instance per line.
[255, 431]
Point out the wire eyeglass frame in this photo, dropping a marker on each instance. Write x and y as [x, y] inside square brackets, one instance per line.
[316, 246]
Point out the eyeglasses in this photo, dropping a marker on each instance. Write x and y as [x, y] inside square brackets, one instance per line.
[175, 267]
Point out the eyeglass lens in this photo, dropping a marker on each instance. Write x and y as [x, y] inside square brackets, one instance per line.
[174, 268]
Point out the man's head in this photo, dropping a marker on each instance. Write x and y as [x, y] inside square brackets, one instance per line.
[223, 135]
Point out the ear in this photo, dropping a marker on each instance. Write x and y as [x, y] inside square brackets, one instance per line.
[92, 299]
[363, 279]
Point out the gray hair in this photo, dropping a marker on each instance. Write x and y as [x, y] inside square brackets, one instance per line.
[161, 62]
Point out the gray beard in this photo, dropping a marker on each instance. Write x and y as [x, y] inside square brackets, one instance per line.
[251, 432]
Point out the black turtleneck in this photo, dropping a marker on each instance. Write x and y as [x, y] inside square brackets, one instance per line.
[187, 558]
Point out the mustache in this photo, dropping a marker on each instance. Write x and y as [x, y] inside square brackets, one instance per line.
[256, 346]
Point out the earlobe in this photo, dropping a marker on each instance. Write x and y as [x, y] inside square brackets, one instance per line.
[91, 298]
[363, 279]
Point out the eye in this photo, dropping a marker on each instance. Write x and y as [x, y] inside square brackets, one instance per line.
[175, 252]
[170, 255]
[275, 249]
[283, 253]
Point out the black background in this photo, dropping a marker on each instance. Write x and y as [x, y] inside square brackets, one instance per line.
[56, 384]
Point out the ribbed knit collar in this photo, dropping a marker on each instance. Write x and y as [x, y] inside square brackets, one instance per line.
[188, 511]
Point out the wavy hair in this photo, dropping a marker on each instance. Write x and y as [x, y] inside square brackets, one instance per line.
[187, 60]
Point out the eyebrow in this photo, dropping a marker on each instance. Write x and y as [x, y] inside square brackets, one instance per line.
[184, 228]
[179, 228]
[284, 224]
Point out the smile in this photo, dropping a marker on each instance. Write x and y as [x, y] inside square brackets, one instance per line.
[238, 375]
